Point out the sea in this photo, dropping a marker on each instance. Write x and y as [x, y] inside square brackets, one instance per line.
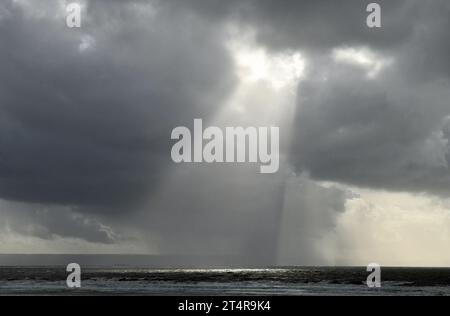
[46, 275]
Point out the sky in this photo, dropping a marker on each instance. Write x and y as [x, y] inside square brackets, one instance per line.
[86, 116]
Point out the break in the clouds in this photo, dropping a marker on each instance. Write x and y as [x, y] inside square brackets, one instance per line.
[86, 116]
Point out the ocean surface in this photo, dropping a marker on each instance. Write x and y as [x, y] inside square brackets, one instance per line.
[34, 280]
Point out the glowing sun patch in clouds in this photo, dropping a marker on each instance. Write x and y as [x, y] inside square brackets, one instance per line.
[256, 64]
[267, 82]
[362, 57]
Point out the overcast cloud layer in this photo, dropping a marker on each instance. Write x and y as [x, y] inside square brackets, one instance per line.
[86, 116]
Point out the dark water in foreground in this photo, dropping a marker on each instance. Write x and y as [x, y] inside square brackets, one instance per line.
[285, 281]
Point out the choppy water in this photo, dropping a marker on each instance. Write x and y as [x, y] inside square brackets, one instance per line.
[286, 281]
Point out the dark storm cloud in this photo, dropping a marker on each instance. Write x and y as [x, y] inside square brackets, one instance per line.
[312, 25]
[390, 131]
[86, 114]
[376, 133]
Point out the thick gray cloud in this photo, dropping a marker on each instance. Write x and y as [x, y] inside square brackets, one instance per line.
[374, 132]
[389, 131]
[313, 25]
[86, 114]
